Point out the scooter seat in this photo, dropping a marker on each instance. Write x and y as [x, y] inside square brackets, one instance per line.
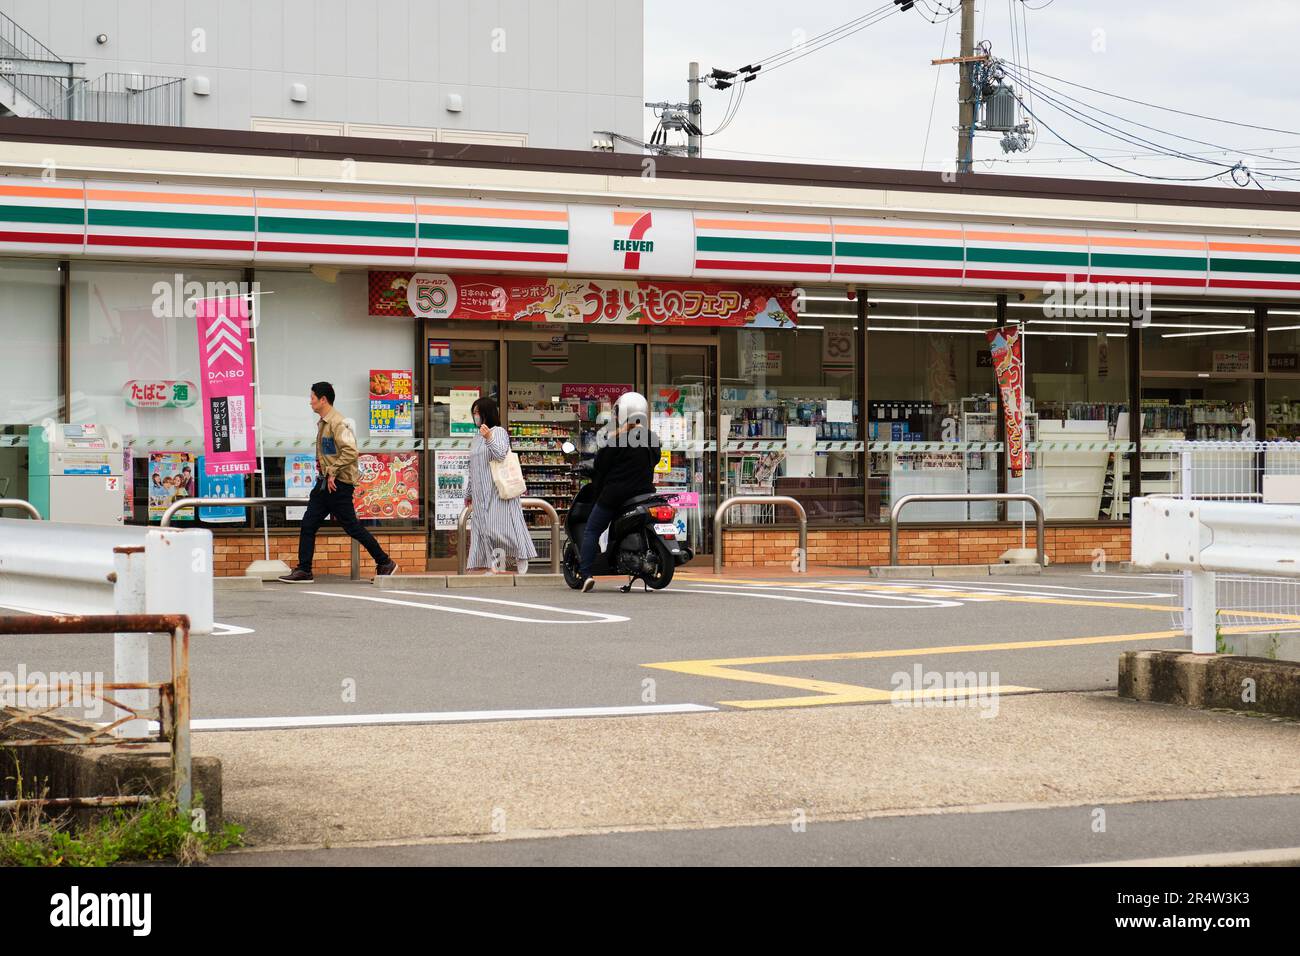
[642, 499]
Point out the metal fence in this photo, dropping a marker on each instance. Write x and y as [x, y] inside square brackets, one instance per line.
[130, 98]
[43, 728]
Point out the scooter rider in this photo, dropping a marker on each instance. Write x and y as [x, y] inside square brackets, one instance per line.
[624, 468]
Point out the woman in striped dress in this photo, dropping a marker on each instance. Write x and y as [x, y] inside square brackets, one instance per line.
[499, 541]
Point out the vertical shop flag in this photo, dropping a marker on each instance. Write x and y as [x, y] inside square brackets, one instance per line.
[1009, 369]
[226, 377]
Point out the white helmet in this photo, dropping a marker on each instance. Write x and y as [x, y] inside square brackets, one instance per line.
[631, 407]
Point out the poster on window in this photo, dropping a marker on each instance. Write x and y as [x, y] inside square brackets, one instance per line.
[220, 486]
[128, 485]
[299, 479]
[226, 381]
[451, 485]
[462, 417]
[1004, 343]
[392, 403]
[389, 487]
[838, 351]
[171, 477]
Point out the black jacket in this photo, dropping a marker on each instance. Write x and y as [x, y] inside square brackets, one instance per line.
[625, 470]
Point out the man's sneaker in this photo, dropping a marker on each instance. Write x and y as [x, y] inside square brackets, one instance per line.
[297, 576]
[386, 569]
[588, 584]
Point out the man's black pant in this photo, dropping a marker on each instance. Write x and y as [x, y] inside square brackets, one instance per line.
[322, 504]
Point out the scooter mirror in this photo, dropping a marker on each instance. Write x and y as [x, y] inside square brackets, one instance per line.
[569, 447]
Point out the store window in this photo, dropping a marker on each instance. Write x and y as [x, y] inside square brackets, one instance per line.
[930, 378]
[1199, 337]
[30, 294]
[135, 326]
[791, 416]
[314, 328]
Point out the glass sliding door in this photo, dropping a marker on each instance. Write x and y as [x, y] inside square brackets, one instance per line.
[458, 372]
[682, 404]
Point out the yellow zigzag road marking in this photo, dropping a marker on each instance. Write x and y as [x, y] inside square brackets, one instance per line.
[831, 692]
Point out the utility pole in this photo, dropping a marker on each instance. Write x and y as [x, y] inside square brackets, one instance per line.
[694, 141]
[966, 93]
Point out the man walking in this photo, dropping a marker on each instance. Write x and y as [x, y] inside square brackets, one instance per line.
[336, 477]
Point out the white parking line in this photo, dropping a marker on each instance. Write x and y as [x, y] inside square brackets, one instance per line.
[764, 591]
[598, 617]
[439, 717]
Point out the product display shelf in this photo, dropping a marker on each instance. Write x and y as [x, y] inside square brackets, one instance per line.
[538, 436]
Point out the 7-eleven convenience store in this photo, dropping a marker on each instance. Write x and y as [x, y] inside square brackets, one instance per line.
[818, 332]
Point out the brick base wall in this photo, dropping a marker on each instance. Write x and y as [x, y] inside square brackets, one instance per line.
[745, 548]
[333, 552]
[1064, 545]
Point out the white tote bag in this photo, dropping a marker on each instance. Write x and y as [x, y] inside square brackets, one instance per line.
[508, 477]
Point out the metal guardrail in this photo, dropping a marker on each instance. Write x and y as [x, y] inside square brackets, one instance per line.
[180, 503]
[21, 505]
[173, 700]
[760, 500]
[906, 500]
[538, 504]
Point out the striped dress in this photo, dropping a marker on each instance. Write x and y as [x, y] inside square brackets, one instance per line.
[494, 524]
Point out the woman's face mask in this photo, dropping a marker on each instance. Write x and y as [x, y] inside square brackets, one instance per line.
[478, 419]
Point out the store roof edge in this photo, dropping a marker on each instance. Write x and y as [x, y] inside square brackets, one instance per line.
[579, 162]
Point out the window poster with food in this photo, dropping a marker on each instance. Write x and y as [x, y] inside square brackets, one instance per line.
[451, 484]
[392, 402]
[389, 486]
[171, 477]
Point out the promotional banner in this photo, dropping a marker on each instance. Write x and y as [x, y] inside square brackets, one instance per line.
[220, 486]
[128, 485]
[595, 392]
[389, 486]
[580, 301]
[1004, 344]
[226, 377]
[171, 477]
[451, 484]
[392, 403]
[299, 479]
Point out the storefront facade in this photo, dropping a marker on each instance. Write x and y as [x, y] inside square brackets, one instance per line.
[817, 336]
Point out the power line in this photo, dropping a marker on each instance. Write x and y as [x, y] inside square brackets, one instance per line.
[1156, 106]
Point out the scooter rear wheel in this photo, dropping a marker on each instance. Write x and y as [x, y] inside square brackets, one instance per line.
[569, 565]
[659, 580]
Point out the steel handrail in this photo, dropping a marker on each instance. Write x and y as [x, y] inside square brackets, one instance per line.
[902, 502]
[462, 555]
[177, 505]
[760, 500]
[21, 505]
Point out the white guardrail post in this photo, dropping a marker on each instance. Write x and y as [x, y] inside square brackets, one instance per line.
[130, 651]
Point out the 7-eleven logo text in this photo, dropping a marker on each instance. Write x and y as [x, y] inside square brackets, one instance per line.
[638, 224]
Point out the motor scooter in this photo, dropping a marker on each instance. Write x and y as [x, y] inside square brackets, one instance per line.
[641, 541]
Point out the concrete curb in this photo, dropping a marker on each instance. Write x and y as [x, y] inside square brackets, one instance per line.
[241, 582]
[1248, 684]
[440, 582]
[952, 570]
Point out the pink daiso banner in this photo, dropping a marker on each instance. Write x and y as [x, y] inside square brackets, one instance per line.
[226, 381]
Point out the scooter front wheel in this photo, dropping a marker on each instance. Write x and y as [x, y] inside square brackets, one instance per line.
[569, 565]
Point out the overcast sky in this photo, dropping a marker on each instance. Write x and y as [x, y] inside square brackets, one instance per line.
[866, 99]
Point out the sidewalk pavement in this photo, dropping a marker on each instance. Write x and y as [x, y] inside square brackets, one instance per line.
[343, 785]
